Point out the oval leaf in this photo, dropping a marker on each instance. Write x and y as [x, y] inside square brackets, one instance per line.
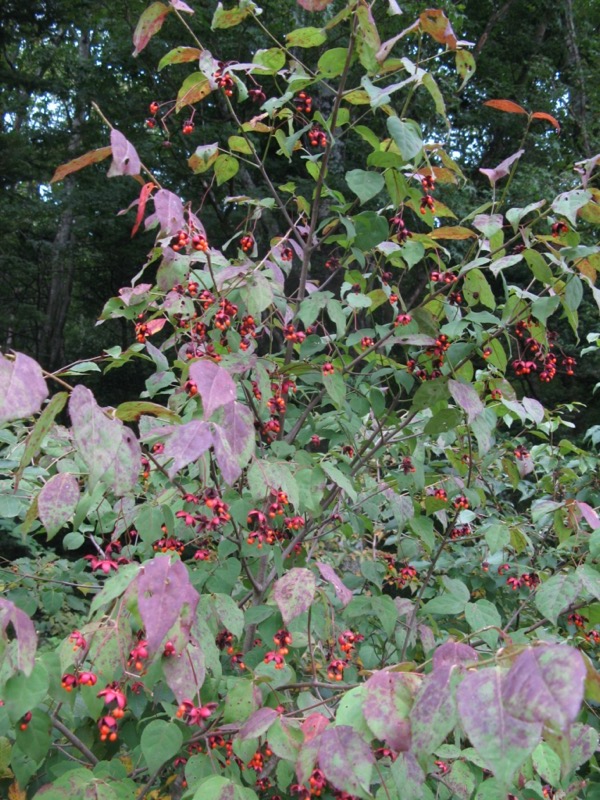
[149, 23]
[93, 157]
[57, 501]
[347, 760]
[505, 105]
[160, 741]
[22, 387]
[548, 117]
[294, 592]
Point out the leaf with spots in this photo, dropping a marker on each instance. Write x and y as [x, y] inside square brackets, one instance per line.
[389, 698]
[294, 592]
[546, 684]
[215, 385]
[57, 501]
[22, 387]
[164, 589]
[347, 760]
[503, 741]
[148, 25]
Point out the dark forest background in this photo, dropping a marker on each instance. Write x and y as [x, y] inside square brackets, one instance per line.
[63, 249]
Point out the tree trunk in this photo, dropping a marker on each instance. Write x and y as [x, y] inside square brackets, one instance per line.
[578, 91]
[62, 263]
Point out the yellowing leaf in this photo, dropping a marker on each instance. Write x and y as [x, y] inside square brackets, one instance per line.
[16, 793]
[452, 232]
[93, 157]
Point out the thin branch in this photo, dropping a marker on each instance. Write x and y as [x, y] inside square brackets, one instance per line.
[68, 734]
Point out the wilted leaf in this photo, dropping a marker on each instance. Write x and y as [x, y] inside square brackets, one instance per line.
[147, 190]
[149, 23]
[569, 203]
[437, 25]
[22, 387]
[125, 158]
[294, 592]
[505, 105]
[545, 684]
[93, 157]
[203, 158]
[57, 501]
[502, 741]
[164, 589]
[347, 760]
[503, 169]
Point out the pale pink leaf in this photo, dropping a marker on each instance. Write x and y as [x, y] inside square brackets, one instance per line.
[179, 5]
[466, 398]
[388, 700]
[185, 444]
[314, 5]
[258, 723]
[234, 440]
[294, 592]
[125, 158]
[22, 387]
[589, 515]
[343, 594]
[185, 671]
[452, 654]
[169, 212]
[215, 385]
[20, 646]
[503, 169]
[164, 594]
[58, 500]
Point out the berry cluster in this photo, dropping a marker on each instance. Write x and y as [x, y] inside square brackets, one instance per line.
[317, 136]
[272, 526]
[427, 201]
[282, 639]
[427, 365]
[540, 358]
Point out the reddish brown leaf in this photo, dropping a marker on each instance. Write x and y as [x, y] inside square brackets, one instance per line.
[548, 117]
[314, 5]
[505, 105]
[147, 190]
[149, 23]
[437, 25]
[93, 157]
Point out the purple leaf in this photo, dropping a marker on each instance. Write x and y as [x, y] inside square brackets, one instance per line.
[164, 589]
[307, 758]
[215, 385]
[19, 648]
[169, 212]
[186, 444]
[466, 398]
[22, 387]
[181, 6]
[185, 672]
[125, 158]
[452, 654]
[110, 450]
[589, 515]
[234, 440]
[546, 684]
[503, 169]
[58, 500]
[343, 594]
[583, 743]
[294, 592]
[433, 714]
[502, 741]
[258, 723]
[149, 23]
[347, 760]
[389, 698]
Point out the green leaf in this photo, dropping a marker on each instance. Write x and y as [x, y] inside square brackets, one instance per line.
[306, 37]
[335, 387]
[179, 55]
[331, 64]
[40, 431]
[232, 17]
[160, 741]
[218, 788]
[230, 615]
[338, 477]
[194, 89]
[481, 615]
[407, 137]
[371, 229]
[556, 594]
[477, 290]
[225, 168]
[365, 185]
[239, 145]
[547, 764]
[241, 700]
[272, 59]
[569, 203]
[22, 693]
[35, 741]
[465, 66]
